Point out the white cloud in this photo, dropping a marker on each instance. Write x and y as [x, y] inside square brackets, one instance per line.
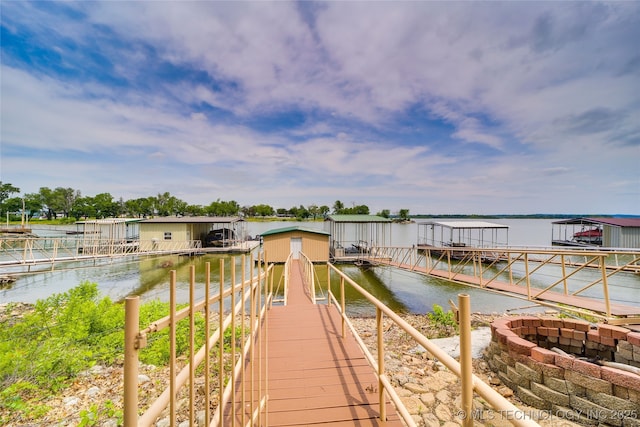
[520, 100]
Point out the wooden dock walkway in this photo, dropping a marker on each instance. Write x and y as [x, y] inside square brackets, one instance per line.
[314, 375]
[619, 310]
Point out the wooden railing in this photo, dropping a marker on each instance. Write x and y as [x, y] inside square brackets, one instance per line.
[469, 382]
[248, 300]
[539, 272]
[32, 251]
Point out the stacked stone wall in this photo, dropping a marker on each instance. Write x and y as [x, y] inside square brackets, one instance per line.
[569, 387]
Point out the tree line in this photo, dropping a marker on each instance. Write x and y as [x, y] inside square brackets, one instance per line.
[69, 203]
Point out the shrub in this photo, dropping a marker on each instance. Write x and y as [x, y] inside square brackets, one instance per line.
[441, 318]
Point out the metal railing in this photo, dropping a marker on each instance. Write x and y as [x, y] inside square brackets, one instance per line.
[213, 358]
[311, 280]
[539, 272]
[470, 382]
[34, 251]
[283, 283]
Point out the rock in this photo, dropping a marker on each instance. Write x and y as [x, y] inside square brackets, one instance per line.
[443, 396]
[142, 379]
[505, 391]
[71, 401]
[400, 379]
[112, 422]
[413, 404]
[428, 399]
[93, 391]
[443, 412]
[416, 388]
[403, 392]
[200, 418]
[96, 369]
[430, 420]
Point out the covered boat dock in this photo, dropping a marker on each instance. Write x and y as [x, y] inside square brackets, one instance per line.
[354, 235]
[475, 234]
[604, 232]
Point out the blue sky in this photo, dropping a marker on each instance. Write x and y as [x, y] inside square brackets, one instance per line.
[435, 107]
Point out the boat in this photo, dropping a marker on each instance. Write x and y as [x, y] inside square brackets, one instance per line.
[591, 236]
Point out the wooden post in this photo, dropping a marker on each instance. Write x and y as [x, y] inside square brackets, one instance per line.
[381, 399]
[465, 359]
[131, 325]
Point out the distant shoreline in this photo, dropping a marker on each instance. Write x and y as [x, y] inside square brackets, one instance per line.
[66, 221]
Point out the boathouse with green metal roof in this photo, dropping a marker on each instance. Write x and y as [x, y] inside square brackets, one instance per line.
[278, 243]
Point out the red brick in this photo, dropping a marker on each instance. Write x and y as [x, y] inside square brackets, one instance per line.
[582, 325]
[531, 321]
[566, 333]
[568, 323]
[634, 338]
[593, 335]
[607, 341]
[613, 331]
[547, 322]
[554, 332]
[621, 378]
[520, 346]
[542, 331]
[501, 324]
[543, 355]
[604, 332]
[516, 322]
[564, 362]
[579, 335]
[587, 368]
[504, 334]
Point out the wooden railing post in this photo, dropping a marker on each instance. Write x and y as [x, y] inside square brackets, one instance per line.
[132, 319]
[465, 358]
[342, 305]
[381, 399]
[605, 286]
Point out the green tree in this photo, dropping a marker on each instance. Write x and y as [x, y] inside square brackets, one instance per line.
[58, 200]
[385, 213]
[48, 201]
[66, 197]
[263, 210]
[195, 210]
[338, 207]
[13, 205]
[313, 210]
[403, 214]
[33, 204]
[6, 190]
[105, 206]
[221, 208]
[140, 208]
[83, 207]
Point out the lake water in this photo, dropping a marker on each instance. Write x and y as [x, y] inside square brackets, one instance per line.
[401, 290]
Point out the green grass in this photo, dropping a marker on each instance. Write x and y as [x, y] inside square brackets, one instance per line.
[65, 334]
